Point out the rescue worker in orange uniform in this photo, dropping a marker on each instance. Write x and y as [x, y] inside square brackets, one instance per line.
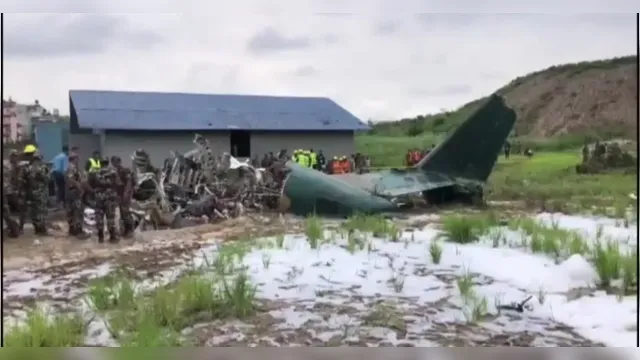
[340, 165]
[413, 157]
[417, 156]
[334, 166]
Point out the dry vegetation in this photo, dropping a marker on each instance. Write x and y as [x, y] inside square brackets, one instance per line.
[592, 97]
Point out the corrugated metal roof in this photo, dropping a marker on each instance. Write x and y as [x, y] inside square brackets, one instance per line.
[120, 110]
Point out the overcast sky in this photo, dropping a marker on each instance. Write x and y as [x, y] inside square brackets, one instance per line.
[385, 64]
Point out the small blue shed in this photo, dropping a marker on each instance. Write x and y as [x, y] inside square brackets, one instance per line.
[50, 138]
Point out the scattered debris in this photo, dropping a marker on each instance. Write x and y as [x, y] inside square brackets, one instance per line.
[198, 185]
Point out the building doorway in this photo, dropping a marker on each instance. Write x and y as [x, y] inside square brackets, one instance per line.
[240, 143]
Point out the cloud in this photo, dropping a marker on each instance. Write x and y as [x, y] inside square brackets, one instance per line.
[443, 91]
[435, 22]
[386, 27]
[335, 15]
[201, 75]
[78, 34]
[270, 40]
[331, 38]
[427, 63]
[305, 71]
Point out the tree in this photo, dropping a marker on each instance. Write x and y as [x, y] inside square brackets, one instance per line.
[414, 129]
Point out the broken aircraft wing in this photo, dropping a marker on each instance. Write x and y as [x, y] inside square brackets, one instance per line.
[397, 182]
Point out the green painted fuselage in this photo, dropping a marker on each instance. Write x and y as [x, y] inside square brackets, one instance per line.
[462, 161]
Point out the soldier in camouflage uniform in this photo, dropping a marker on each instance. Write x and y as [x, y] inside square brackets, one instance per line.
[36, 187]
[105, 183]
[7, 191]
[75, 180]
[125, 190]
[17, 197]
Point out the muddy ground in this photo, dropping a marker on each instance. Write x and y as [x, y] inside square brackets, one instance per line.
[33, 252]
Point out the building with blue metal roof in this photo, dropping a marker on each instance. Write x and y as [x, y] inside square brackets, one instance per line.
[119, 122]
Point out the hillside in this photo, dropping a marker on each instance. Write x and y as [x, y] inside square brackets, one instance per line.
[597, 98]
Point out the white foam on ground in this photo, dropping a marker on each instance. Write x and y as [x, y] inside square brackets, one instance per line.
[303, 277]
[516, 273]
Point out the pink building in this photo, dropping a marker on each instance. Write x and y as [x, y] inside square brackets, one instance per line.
[17, 120]
[12, 128]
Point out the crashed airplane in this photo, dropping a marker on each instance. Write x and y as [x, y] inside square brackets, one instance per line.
[200, 184]
[456, 170]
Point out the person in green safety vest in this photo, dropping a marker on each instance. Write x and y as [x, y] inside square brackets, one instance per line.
[303, 158]
[308, 156]
[94, 163]
[313, 159]
[299, 157]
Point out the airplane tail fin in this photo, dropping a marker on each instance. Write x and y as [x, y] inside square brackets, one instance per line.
[472, 149]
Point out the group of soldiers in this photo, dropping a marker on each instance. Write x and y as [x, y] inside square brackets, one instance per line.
[25, 190]
[269, 159]
[107, 188]
[600, 157]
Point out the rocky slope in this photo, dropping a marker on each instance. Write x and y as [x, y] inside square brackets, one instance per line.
[589, 98]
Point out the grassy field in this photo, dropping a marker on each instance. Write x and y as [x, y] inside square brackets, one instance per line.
[550, 180]
[388, 151]
[547, 180]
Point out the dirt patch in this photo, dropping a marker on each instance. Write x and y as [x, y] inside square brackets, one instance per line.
[58, 249]
[57, 270]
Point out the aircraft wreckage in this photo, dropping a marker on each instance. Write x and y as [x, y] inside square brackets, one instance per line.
[199, 183]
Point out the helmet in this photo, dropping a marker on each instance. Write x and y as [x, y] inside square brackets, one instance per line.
[30, 149]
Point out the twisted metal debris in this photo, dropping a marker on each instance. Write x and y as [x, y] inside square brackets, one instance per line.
[201, 184]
